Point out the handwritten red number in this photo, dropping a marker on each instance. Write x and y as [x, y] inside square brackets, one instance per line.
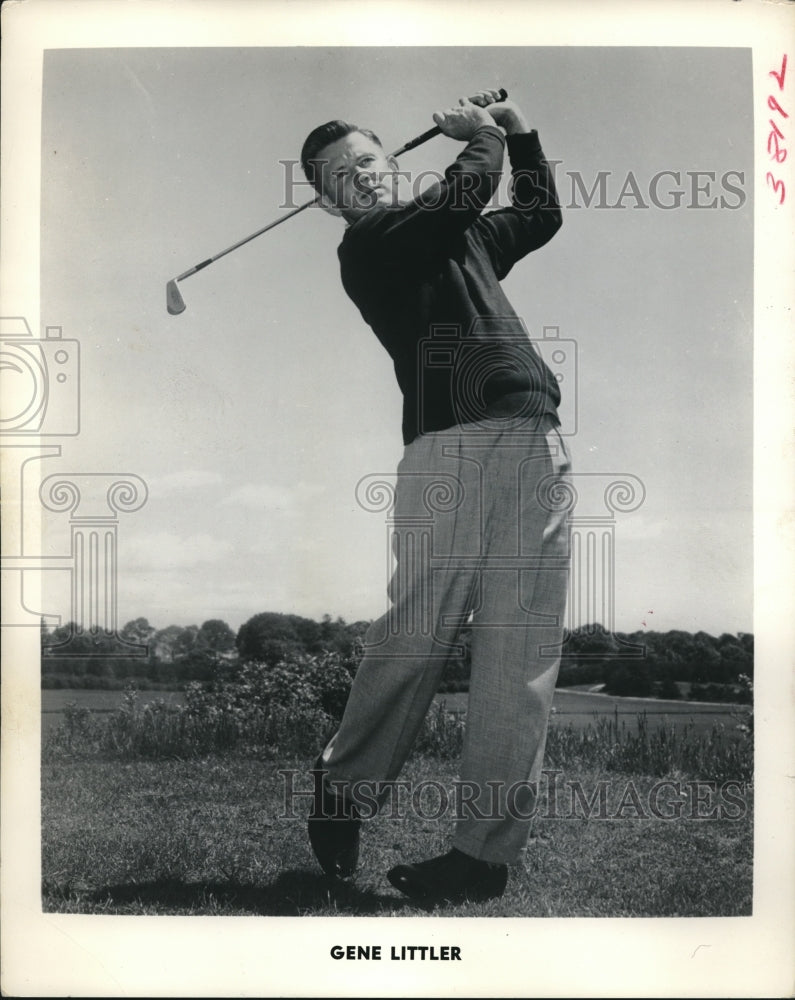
[779, 77]
[775, 139]
[776, 153]
[776, 129]
[778, 187]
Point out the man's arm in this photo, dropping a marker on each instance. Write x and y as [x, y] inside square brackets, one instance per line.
[534, 218]
[449, 207]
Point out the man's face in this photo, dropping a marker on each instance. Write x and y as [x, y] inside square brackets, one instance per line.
[357, 175]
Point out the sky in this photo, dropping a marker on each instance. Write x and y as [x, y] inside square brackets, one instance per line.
[253, 415]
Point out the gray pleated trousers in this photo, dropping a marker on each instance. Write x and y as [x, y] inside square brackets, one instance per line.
[480, 536]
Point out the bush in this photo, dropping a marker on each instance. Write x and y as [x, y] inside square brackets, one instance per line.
[331, 677]
[612, 746]
[745, 721]
[293, 707]
[59, 681]
[628, 680]
[739, 694]
[79, 731]
[667, 688]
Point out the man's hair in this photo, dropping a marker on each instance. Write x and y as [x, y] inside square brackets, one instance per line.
[321, 137]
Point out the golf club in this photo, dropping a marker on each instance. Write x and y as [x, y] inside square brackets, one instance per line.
[174, 301]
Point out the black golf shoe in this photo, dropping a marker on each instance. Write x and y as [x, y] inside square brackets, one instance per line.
[333, 827]
[454, 877]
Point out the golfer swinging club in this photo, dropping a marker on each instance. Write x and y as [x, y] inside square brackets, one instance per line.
[480, 534]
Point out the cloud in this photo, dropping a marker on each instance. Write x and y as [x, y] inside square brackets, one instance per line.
[166, 551]
[261, 496]
[183, 480]
[640, 526]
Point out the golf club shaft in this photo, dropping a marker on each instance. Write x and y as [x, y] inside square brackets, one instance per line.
[246, 239]
[174, 299]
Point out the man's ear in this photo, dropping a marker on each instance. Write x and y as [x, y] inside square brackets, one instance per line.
[396, 180]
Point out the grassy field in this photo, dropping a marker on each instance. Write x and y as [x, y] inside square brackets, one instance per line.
[54, 700]
[154, 811]
[205, 837]
[576, 708]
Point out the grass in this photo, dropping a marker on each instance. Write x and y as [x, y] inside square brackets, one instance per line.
[570, 708]
[178, 809]
[205, 837]
[658, 751]
[221, 724]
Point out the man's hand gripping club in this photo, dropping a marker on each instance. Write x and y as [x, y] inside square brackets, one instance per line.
[461, 122]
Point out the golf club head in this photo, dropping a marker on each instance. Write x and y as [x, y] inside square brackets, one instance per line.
[174, 301]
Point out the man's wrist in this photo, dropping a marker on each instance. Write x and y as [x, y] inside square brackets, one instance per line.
[483, 119]
[515, 124]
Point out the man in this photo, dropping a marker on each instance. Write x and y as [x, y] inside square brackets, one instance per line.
[480, 534]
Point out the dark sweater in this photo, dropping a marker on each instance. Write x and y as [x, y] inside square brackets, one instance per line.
[426, 277]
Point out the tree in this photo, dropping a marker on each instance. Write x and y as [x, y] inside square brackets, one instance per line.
[269, 637]
[705, 658]
[138, 632]
[668, 688]
[165, 641]
[628, 680]
[185, 641]
[734, 661]
[216, 637]
[336, 636]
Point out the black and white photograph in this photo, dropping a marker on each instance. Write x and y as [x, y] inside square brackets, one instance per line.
[396, 477]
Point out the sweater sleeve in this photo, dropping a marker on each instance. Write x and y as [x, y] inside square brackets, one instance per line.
[534, 217]
[446, 208]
